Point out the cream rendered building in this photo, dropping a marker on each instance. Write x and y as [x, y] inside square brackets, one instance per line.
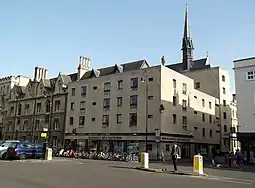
[40, 104]
[114, 107]
[6, 84]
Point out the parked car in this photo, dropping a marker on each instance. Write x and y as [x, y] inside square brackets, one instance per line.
[24, 150]
[4, 145]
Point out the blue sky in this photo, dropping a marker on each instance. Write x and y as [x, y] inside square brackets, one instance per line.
[52, 34]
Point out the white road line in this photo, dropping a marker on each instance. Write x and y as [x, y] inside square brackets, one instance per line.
[228, 180]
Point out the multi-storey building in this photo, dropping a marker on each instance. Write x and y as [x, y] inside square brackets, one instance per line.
[211, 80]
[245, 96]
[6, 84]
[41, 104]
[122, 106]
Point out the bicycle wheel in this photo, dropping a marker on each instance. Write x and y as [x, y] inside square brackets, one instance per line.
[135, 159]
[128, 158]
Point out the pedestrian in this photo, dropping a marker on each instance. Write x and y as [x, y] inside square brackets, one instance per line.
[175, 155]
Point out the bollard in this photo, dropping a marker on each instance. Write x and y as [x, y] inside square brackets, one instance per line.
[48, 154]
[144, 160]
[198, 164]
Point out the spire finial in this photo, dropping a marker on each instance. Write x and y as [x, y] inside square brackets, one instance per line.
[187, 44]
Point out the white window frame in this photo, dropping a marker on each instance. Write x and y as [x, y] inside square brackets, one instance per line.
[250, 75]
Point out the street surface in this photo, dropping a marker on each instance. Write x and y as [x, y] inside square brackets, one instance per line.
[66, 173]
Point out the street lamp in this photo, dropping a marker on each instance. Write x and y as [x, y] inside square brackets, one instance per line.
[145, 81]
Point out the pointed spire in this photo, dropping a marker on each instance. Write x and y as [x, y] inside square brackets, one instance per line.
[187, 44]
[186, 33]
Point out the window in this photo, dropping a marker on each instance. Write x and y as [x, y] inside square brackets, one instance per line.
[210, 105]
[105, 120]
[224, 103]
[106, 103]
[83, 91]
[70, 120]
[174, 119]
[224, 115]
[119, 118]
[184, 105]
[93, 119]
[120, 84]
[224, 90]
[197, 85]
[203, 132]
[210, 133]
[150, 79]
[56, 124]
[95, 87]
[210, 118]
[82, 105]
[119, 101]
[184, 120]
[73, 91]
[184, 88]
[46, 118]
[174, 83]
[133, 101]
[195, 97]
[167, 147]
[81, 121]
[107, 87]
[225, 128]
[72, 105]
[11, 111]
[57, 105]
[94, 103]
[203, 102]
[37, 124]
[48, 106]
[223, 79]
[132, 119]
[19, 109]
[38, 107]
[250, 75]
[134, 83]
[174, 101]
[149, 147]
[195, 112]
[26, 108]
[203, 117]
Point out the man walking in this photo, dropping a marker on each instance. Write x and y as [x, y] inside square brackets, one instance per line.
[175, 155]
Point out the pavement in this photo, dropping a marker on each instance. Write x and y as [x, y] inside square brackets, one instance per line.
[66, 173]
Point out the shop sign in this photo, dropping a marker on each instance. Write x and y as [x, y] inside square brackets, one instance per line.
[168, 138]
[105, 138]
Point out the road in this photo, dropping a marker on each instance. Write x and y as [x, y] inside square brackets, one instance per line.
[94, 174]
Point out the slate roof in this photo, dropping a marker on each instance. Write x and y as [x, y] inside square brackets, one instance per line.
[197, 64]
[135, 65]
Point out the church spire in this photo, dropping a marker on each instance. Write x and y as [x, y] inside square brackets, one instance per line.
[187, 44]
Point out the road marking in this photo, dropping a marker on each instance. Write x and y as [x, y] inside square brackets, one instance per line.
[227, 180]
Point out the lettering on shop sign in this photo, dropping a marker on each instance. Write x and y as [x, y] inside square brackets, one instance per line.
[166, 138]
[105, 138]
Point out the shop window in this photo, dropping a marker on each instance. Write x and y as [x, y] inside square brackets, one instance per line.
[149, 147]
[167, 147]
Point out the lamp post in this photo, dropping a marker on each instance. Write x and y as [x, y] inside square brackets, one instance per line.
[145, 81]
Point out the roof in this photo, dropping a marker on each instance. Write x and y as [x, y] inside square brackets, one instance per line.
[196, 65]
[135, 65]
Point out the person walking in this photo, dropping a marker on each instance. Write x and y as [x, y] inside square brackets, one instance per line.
[175, 155]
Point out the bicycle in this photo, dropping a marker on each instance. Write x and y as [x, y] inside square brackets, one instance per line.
[132, 158]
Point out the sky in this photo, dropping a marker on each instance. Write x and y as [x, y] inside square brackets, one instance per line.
[53, 34]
